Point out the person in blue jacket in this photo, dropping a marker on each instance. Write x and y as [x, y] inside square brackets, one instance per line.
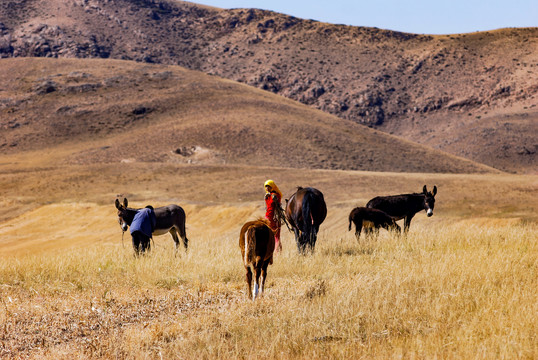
[142, 228]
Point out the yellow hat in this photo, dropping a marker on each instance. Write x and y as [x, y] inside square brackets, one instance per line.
[273, 186]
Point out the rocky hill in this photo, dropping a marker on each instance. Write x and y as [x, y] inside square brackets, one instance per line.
[96, 111]
[473, 95]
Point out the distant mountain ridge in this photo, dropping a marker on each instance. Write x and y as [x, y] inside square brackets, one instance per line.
[473, 95]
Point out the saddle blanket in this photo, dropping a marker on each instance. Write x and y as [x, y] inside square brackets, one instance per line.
[144, 221]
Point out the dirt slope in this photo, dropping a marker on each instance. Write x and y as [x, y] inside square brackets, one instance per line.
[108, 111]
[473, 95]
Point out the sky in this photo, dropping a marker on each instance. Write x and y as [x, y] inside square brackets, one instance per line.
[413, 16]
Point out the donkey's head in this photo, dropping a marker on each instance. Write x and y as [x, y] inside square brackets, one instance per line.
[429, 200]
[124, 215]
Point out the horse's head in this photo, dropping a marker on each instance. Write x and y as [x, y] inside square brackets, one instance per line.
[124, 217]
[429, 200]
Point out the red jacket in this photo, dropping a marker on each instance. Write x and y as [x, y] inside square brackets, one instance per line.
[271, 206]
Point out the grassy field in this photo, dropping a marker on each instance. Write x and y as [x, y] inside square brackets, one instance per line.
[460, 290]
[462, 284]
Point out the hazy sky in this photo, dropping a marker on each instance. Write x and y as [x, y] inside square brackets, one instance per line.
[414, 16]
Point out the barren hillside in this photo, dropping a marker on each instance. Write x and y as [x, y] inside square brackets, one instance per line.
[473, 95]
[109, 111]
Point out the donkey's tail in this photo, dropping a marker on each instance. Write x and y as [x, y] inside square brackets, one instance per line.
[183, 236]
[181, 225]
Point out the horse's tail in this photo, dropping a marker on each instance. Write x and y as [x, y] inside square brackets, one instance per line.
[250, 246]
[308, 220]
[350, 220]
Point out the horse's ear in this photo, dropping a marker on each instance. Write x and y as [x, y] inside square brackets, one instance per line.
[125, 202]
[434, 190]
[424, 190]
[117, 204]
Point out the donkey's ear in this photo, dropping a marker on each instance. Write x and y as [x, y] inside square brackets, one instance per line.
[117, 204]
[125, 202]
[434, 190]
[424, 190]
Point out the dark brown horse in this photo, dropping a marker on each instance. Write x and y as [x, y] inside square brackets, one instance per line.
[305, 211]
[371, 219]
[257, 243]
[405, 206]
[169, 219]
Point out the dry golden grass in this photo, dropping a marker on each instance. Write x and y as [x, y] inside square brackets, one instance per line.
[461, 289]
[461, 285]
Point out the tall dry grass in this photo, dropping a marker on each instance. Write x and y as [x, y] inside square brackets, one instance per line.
[448, 290]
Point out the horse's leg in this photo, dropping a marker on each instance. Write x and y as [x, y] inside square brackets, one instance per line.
[256, 289]
[303, 243]
[264, 276]
[307, 241]
[297, 239]
[314, 237]
[249, 281]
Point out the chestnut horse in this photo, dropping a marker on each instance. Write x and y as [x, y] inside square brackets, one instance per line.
[305, 211]
[257, 243]
[170, 218]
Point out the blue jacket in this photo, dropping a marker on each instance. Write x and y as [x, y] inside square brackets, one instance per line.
[144, 221]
